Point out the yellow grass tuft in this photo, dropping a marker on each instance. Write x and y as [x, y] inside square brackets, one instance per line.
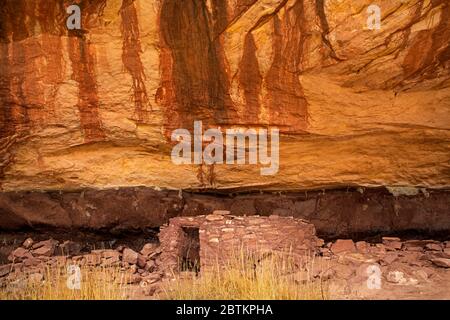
[250, 277]
[99, 283]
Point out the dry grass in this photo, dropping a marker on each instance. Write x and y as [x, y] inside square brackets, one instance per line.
[250, 277]
[246, 276]
[96, 284]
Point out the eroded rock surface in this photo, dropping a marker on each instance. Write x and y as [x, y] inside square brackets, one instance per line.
[95, 108]
[334, 213]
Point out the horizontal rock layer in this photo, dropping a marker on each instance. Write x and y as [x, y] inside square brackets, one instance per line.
[96, 107]
[333, 212]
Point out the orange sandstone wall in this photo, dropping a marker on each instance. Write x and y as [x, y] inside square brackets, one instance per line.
[95, 107]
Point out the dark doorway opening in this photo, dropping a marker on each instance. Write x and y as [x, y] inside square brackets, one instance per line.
[190, 250]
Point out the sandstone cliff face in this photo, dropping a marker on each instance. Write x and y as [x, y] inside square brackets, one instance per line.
[95, 107]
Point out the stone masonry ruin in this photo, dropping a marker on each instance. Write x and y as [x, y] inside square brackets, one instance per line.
[202, 242]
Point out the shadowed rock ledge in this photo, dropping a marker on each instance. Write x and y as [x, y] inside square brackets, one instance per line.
[334, 213]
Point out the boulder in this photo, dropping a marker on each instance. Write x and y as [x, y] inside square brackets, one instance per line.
[441, 262]
[28, 243]
[141, 261]
[221, 212]
[150, 266]
[343, 245]
[19, 254]
[362, 246]
[31, 261]
[433, 247]
[46, 251]
[130, 256]
[110, 257]
[148, 249]
[44, 248]
[392, 243]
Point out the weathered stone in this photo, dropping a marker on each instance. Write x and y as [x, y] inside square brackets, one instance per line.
[415, 249]
[325, 252]
[255, 220]
[148, 249]
[47, 251]
[441, 262]
[150, 266]
[378, 249]
[213, 217]
[5, 270]
[45, 248]
[350, 258]
[28, 243]
[141, 261]
[421, 274]
[343, 245]
[131, 269]
[343, 271]
[110, 257]
[120, 248]
[417, 244]
[18, 254]
[130, 256]
[413, 258]
[389, 258]
[109, 254]
[46, 243]
[221, 212]
[320, 242]
[153, 277]
[228, 236]
[392, 243]
[362, 246]
[31, 261]
[218, 239]
[433, 247]
[397, 277]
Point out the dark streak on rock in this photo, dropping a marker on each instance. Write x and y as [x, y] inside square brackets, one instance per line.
[250, 79]
[83, 64]
[430, 49]
[194, 83]
[288, 106]
[82, 57]
[14, 116]
[320, 10]
[131, 58]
